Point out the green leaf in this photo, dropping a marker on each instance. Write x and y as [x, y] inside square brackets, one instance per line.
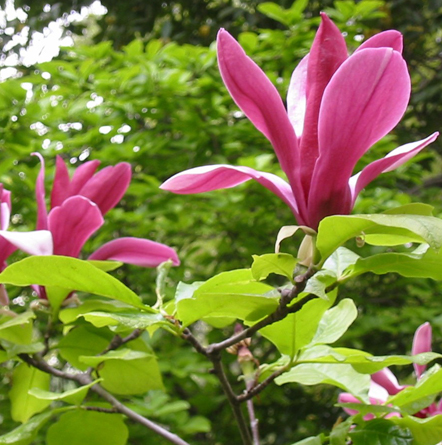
[70, 274]
[24, 405]
[122, 321]
[88, 427]
[335, 322]
[342, 376]
[414, 208]
[120, 354]
[274, 11]
[17, 329]
[230, 294]
[380, 432]
[418, 264]
[334, 231]
[105, 266]
[296, 330]
[425, 431]
[83, 340]
[26, 433]
[277, 263]
[340, 260]
[71, 314]
[409, 398]
[73, 396]
[339, 433]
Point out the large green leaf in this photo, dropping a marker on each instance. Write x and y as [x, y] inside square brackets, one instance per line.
[409, 399]
[425, 431]
[342, 376]
[334, 231]
[24, 405]
[233, 294]
[381, 432]
[83, 340]
[74, 396]
[422, 263]
[17, 329]
[68, 273]
[88, 427]
[335, 322]
[26, 433]
[277, 263]
[297, 330]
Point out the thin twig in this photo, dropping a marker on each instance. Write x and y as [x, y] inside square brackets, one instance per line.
[85, 379]
[254, 422]
[232, 398]
[253, 391]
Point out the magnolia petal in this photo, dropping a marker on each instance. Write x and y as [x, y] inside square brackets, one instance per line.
[215, 177]
[388, 382]
[327, 54]
[5, 207]
[346, 397]
[258, 98]
[107, 187]
[297, 97]
[386, 39]
[421, 343]
[141, 252]
[394, 159]
[82, 175]
[34, 243]
[72, 223]
[364, 100]
[42, 213]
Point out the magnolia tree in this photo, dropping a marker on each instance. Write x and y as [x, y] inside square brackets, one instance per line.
[82, 350]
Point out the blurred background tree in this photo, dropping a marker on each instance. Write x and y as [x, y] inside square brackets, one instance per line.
[139, 83]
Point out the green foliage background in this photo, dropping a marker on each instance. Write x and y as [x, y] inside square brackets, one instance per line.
[145, 89]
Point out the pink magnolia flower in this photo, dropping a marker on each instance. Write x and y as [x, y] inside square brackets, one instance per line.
[338, 106]
[384, 383]
[34, 243]
[78, 205]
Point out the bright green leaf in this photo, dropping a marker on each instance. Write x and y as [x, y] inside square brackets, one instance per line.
[24, 405]
[17, 329]
[425, 431]
[277, 263]
[380, 432]
[26, 433]
[88, 427]
[68, 273]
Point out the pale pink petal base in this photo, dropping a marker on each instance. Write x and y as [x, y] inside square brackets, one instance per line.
[141, 252]
[34, 243]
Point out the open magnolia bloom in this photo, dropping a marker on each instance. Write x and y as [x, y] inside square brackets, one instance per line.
[34, 243]
[384, 383]
[338, 106]
[77, 209]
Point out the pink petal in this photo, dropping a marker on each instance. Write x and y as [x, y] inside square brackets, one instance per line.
[386, 39]
[259, 100]
[394, 159]
[421, 343]
[82, 175]
[297, 97]
[42, 214]
[215, 177]
[141, 252]
[107, 187]
[72, 224]
[5, 207]
[60, 187]
[346, 397]
[34, 243]
[386, 379]
[365, 99]
[327, 54]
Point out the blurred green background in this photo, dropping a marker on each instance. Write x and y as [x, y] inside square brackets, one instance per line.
[140, 84]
